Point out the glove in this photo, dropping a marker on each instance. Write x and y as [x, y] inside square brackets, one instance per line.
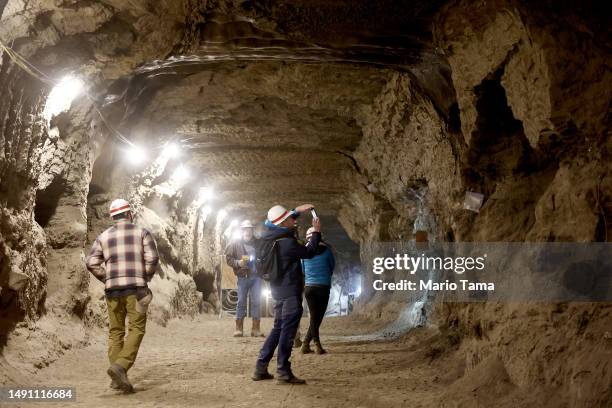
[244, 261]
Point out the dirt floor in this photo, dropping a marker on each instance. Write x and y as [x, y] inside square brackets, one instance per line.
[196, 363]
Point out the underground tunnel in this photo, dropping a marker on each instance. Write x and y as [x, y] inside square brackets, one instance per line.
[456, 155]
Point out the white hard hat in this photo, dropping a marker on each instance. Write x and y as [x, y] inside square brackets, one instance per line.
[119, 206]
[246, 224]
[278, 214]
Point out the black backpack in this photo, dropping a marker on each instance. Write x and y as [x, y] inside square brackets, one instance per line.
[266, 259]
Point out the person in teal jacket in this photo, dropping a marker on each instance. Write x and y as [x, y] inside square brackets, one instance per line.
[317, 276]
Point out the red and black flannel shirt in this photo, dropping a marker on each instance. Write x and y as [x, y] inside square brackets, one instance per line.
[128, 253]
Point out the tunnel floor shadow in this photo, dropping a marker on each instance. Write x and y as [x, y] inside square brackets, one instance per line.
[198, 363]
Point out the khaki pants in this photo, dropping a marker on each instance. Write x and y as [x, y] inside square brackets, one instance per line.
[124, 351]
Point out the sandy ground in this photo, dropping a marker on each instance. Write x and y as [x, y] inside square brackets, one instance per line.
[196, 363]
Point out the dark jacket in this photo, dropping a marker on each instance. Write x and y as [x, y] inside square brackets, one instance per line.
[233, 254]
[290, 254]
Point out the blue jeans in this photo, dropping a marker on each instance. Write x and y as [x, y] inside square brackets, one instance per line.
[287, 315]
[246, 285]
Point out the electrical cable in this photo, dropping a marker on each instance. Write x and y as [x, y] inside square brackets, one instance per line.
[24, 64]
[32, 70]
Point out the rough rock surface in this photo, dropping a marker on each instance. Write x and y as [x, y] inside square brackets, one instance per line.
[283, 102]
[544, 179]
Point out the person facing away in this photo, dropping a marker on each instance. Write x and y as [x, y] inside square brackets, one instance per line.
[318, 276]
[286, 291]
[124, 258]
[240, 255]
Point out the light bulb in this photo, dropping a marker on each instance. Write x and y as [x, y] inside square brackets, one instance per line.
[61, 96]
[181, 174]
[171, 150]
[136, 155]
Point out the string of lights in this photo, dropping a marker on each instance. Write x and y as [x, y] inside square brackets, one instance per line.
[65, 90]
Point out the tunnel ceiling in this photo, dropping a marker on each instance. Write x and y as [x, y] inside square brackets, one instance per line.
[270, 98]
[262, 131]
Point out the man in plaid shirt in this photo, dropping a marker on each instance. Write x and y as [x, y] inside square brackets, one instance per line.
[124, 258]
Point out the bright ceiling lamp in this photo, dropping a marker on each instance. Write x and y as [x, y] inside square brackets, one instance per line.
[181, 174]
[136, 155]
[61, 96]
[206, 194]
[171, 150]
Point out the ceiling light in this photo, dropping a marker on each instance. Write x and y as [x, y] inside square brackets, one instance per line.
[180, 174]
[61, 96]
[206, 194]
[136, 155]
[171, 150]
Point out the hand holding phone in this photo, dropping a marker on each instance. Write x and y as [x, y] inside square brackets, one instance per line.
[316, 224]
[304, 208]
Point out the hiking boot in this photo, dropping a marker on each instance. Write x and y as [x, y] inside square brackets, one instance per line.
[306, 348]
[318, 348]
[289, 379]
[262, 375]
[114, 385]
[256, 331]
[119, 376]
[239, 332]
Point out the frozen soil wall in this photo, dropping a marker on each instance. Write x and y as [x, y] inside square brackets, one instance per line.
[539, 155]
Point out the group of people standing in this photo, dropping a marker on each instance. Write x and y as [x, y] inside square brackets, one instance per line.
[125, 257]
[303, 270]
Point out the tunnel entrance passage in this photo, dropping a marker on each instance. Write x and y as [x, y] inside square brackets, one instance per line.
[499, 147]
[47, 201]
[494, 115]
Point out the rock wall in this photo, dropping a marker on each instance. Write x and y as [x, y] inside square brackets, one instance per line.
[533, 137]
[407, 161]
[552, 186]
[517, 109]
[45, 168]
[22, 243]
[44, 172]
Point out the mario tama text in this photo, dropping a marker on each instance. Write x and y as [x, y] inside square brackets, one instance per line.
[430, 266]
[431, 285]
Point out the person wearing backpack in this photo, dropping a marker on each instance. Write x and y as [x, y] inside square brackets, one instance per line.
[318, 276]
[287, 284]
[240, 255]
